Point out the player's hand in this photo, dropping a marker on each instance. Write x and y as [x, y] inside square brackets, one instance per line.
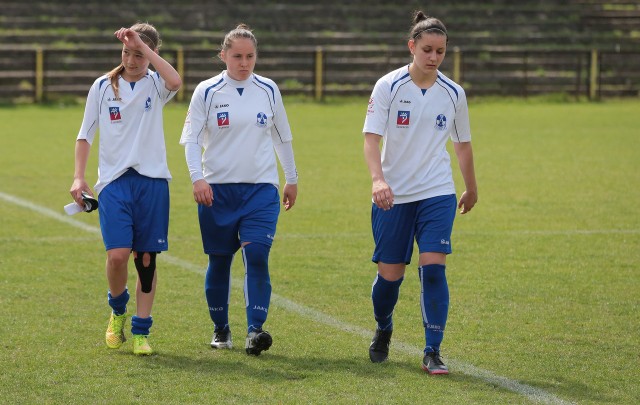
[382, 195]
[467, 201]
[77, 188]
[289, 195]
[130, 38]
[202, 193]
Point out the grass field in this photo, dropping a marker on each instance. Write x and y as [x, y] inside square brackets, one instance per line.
[544, 278]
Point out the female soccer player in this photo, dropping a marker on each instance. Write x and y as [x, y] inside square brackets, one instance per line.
[414, 110]
[238, 118]
[126, 106]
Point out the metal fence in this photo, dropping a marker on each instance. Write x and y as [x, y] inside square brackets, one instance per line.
[50, 73]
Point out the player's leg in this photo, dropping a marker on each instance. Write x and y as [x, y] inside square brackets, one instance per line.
[217, 290]
[393, 236]
[117, 296]
[433, 234]
[219, 231]
[257, 230]
[151, 225]
[116, 228]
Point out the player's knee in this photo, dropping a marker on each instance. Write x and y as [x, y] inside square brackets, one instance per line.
[118, 258]
[256, 254]
[146, 266]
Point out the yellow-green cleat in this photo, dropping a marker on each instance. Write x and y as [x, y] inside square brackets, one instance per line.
[141, 345]
[115, 331]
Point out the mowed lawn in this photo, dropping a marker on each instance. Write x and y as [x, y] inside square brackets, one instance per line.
[544, 278]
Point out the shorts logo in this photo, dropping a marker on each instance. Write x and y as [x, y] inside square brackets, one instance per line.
[223, 119]
[444, 242]
[114, 114]
[441, 122]
[147, 104]
[261, 120]
[403, 118]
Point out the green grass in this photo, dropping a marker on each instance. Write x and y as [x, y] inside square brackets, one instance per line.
[544, 277]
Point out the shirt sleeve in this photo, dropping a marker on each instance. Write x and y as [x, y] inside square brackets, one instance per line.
[378, 109]
[461, 131]
[90, 121]
[193, 155]
[195, 123]
[164, 93]
[287, 161]
[281, 131]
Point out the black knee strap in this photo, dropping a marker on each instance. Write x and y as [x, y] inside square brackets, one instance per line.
[145, 274]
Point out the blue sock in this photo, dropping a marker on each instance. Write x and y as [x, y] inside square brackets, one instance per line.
[384, 295]
[434, 301]
[119, 303]
[141, 326]
[217, 288]
[257, 284]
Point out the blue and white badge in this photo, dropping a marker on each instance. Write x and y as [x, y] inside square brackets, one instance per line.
[441, 122]
[261, 120]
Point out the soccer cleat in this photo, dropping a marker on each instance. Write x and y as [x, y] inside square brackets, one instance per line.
[221, 339]
[379, 348]
[257, 341]
[115, 331]
[141, 345]
[432, 363]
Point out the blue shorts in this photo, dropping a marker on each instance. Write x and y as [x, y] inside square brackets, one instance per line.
[429, 221]
[241, 212]
[134, 213]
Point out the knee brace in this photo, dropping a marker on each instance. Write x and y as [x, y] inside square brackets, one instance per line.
[145, 274]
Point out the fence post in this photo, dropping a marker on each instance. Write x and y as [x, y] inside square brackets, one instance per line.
[39, 74]
[319, 59]
[180, 69]
[456, 65]
[593, 75]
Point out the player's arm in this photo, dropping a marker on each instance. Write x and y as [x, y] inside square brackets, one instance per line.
[79, 183]
[469, 197]
[132, 40]
[380, 191]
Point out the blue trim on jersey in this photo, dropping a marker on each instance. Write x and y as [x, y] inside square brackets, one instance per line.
[394, 83]
[273, 93]
[210, 87]
[102, 81]
[450, 85]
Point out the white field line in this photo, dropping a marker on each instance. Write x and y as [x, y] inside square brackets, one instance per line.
[532, 393]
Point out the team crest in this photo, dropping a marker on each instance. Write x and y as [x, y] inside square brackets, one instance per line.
[147, 104]
[223, 119]
[441, 122]
[114, 114]
[261, 120]
[403, 118]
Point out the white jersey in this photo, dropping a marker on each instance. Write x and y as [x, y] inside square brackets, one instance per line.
[131, 127]
[416, 124]
[237, 123]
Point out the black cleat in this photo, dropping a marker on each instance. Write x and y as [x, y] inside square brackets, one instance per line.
[379, 348]
[432, 363]
[258, 341]
[221, 339]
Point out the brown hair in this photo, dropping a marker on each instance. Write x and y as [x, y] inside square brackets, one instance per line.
[150, 36]
[241, 31]
[423, 23]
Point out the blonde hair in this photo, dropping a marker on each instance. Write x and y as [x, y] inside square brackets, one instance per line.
[150, 36]
[241, 31]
